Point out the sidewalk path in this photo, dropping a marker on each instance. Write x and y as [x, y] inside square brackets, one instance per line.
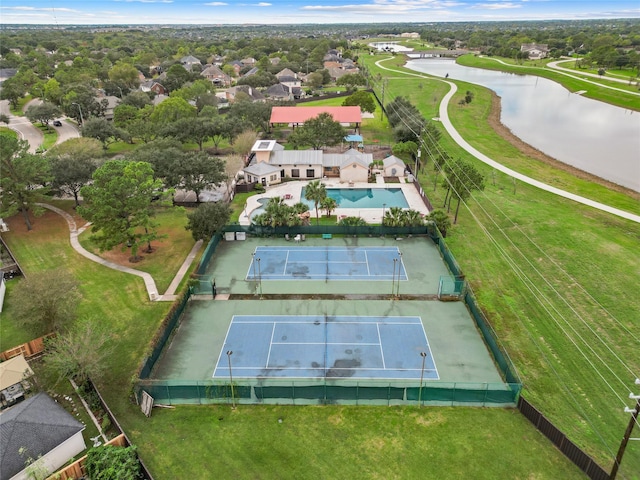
[444, 118]
[149, 283]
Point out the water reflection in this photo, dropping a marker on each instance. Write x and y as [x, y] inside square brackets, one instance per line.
[595, 137]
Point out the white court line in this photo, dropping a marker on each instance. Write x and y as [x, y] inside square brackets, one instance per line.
[286, 260]
[245, 322]
[326, 343]
[223, 350]
[342, 368]
[273, 331]
[380, 342]
[366, 257]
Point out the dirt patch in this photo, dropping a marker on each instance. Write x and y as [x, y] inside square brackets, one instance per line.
[123, 257]
[531, 152]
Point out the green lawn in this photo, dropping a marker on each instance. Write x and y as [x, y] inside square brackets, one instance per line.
[313, 442]
[553, 278]
[169, 252]
[549, 274]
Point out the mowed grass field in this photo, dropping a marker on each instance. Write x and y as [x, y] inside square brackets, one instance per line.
[554, 278]
[504, 238]
[311, 442]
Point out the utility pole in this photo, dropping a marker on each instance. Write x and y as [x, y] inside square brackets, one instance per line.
[384, 85]
[627, 434]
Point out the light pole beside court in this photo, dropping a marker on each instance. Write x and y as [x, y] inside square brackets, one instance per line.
[259, 277]
[393, 278]
[233, 395]
[424, 357]
[398, 282]
[79, 110]
[253, 265]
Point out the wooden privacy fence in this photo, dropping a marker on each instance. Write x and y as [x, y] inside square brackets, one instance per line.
[77, 468]
[560, 440]
[29, 349]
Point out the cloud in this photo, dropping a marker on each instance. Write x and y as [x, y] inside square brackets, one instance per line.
[262, 4]
[497, 6]
[144, 1]
[389, 7]
[48, 10]
[216, 4]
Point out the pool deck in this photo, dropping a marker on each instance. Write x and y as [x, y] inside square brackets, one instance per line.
[290, 191]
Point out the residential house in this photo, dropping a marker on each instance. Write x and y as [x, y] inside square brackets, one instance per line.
[254, 94]
[112, 103]
[393, 167]
[215, 75]
[217, 60]
[536, 51]
[40, 429]
[269, 163]
[237, 66]
[279, 92]
[286, 73]
[13, 380]
[189, 61]
[253, 71]
[248, 62]
[275, 60]
[153, 86]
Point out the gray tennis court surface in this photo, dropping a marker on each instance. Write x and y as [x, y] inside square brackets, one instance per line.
[330, 263]
[318, 346]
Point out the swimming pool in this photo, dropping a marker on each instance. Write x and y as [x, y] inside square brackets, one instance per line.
[364, 197]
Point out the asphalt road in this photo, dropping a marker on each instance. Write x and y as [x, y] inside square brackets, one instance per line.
[24, 128]
[66, 131]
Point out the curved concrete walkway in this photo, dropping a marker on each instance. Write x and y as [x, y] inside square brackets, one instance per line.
[149, 282]
[444, 118]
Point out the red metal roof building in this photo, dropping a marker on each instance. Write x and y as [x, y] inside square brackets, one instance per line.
[296, 116]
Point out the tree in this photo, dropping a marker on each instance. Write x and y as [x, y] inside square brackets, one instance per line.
[73, 163]
[257, 115]
[441, 221]
[80, 353]
[199, 171]
[405, 118]
[350, 80]
[244, 141]
[315, 192]
[46, 301]
[43, 113]
[317, 132]
[192, 129]
[164, 155]
[353, 221]
[125, 74]
[4, 118]
[22, 178]
[462, 179]
[406, 151]
[314, 80]
[207, 219]
[172, 109]
[103, 130]
[329, 204]
[109, 462]
[362, 99]
[13, 91]
[118, 202]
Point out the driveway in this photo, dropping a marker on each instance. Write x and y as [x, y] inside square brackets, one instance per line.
[24, 128]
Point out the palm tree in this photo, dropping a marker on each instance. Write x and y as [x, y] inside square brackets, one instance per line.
[394, 217]
[316, 193]
[413, 218]
[329, 204]
[277, 210]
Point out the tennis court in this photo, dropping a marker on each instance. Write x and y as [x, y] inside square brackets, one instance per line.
[326, 262]
[321, 346]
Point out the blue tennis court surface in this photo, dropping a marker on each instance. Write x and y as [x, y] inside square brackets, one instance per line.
[318, 346]
[327, 263]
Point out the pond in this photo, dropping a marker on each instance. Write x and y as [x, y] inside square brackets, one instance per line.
[590, 135]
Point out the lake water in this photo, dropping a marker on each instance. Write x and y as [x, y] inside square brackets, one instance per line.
[593, 136]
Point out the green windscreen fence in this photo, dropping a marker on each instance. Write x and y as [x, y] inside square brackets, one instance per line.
[298, 392]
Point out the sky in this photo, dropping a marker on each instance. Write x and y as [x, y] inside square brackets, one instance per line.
[128, 12]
